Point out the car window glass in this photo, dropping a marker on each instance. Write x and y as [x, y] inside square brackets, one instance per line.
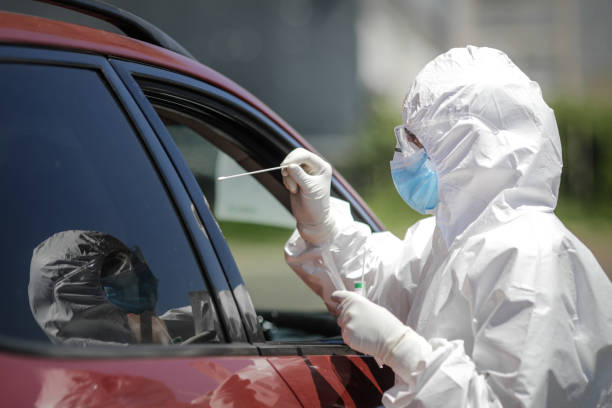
[255, 224]
[95, 251]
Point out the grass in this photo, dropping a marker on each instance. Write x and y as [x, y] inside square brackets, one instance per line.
[247, 233]
[592, 224]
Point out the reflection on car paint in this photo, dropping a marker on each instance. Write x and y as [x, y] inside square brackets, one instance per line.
[248, 310]
[76, 388]
[234, 325]
[204, 382]
[249, 386]
[335, 381]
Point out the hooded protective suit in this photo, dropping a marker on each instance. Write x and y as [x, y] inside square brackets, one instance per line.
[514, 306]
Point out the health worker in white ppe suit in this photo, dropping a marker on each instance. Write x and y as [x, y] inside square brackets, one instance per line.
[489, 302]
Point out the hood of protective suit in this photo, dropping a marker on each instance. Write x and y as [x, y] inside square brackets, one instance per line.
[492, 138]
[66, 294]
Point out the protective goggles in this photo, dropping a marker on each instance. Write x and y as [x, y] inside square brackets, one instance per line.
[407, 143]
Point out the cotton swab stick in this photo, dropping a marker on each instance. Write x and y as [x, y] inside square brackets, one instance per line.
[250, 172]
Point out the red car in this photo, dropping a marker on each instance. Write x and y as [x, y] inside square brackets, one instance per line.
[125, 260]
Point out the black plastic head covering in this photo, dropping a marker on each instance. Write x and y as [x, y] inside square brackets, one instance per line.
[66, 294]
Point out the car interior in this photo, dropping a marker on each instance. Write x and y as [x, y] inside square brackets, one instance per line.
[214, 145]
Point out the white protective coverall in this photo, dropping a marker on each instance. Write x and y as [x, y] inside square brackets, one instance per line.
[514, 306]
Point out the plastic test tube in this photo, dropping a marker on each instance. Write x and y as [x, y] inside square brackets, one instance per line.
[360, 285]
[331, 270]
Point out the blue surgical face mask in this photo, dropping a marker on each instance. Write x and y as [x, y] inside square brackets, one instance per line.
[415, 180]
[131, 285]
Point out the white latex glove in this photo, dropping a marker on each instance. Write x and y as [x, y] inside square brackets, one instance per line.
[372, 329]
[308, 179]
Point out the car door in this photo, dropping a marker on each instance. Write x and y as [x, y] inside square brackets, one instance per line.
[208, 133]
[82, 171]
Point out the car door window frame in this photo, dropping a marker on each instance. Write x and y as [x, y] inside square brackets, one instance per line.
[224, 102]
[199, 242]
[127, 71]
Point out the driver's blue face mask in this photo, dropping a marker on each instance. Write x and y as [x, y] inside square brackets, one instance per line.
[413, 173]
[129, 283]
